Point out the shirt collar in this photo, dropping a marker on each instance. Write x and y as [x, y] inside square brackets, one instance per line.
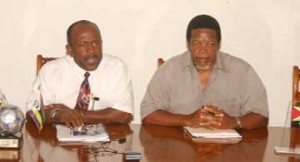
[220, 64]
[187, 60]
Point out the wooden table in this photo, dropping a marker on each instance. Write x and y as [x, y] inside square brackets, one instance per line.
[156, 144]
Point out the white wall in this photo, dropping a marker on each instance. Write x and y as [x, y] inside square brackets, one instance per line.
[264, 33]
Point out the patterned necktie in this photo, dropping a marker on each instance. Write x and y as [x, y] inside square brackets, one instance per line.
[84, 94]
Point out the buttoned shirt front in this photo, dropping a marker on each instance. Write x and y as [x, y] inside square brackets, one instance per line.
[233, 86]
[60, 82]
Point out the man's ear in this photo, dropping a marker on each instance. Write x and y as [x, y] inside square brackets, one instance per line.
[69, 50]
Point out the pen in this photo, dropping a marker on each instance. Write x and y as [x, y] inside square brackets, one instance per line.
[93, 100]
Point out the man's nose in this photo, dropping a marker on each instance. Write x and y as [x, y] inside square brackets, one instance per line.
[90, 48]
[202, 51]
[204, 47]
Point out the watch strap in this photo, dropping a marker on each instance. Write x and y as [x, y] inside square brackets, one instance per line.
[53, 114]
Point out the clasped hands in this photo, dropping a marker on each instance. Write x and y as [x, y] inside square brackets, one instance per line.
[211, 117]
[70, 117]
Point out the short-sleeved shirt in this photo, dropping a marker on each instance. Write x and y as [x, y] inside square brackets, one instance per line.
[60, 81]
[233, 86]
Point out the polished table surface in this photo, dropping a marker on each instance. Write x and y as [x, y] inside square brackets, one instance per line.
[156, 144]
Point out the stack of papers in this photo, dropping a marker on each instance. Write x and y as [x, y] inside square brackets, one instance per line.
[213, 133]
[88, 133]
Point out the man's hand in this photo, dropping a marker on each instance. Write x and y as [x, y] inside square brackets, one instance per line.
[226, 122]
[221, 119]
[70, 117]
[211, 117]
[203, 117]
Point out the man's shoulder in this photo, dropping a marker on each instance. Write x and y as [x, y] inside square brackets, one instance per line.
[230, 58]
[57, 64]
[177, 61]
[172, 67]
[111, 63]
[112, 60]
[231, 61]
[234, 64]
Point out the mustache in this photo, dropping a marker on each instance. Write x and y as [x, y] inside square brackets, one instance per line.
[91, 56]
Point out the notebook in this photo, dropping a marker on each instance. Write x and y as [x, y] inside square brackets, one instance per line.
[213, 133]
[88, 133]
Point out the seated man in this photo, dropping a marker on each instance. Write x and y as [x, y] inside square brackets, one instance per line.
[85, 86]
[204, 87]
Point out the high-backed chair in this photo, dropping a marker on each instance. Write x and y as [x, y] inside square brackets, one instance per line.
[40, 61]
[296, 93]
[160, 61]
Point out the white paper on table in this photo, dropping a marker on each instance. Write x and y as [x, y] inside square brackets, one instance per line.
[94, 133]
[212, 133]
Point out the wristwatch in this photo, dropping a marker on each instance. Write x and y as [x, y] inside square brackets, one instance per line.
[53, 113]
[239, 123]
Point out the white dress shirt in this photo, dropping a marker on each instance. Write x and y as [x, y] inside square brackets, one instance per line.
[60, 82]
